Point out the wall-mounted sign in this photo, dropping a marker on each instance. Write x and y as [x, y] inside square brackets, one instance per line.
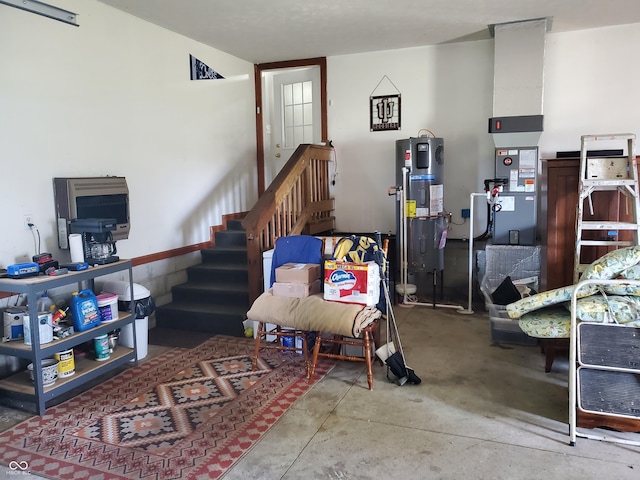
[384, 112]
[201, 71]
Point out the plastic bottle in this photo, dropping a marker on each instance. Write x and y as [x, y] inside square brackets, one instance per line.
[45, 304]
[60, 314]
[84, 309]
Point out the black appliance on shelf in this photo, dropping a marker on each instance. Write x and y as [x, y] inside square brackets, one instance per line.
[97, 239]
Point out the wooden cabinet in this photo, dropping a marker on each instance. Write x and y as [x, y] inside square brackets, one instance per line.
[18, 385]
[557, 220]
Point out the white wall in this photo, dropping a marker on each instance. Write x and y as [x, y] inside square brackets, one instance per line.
[590, 87]
[114, 97]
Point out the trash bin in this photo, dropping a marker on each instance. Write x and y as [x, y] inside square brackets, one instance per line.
[143, 307]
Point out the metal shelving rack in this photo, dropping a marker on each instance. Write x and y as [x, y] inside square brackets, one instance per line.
[18, 385]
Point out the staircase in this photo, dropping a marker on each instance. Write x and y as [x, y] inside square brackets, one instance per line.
[215, 297]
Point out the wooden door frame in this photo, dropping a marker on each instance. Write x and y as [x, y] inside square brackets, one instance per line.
[258, 69]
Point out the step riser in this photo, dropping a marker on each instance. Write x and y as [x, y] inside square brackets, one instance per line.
[216, 324]
[224, 257]
[185, 294]
[230, 238]
[213, 275]
[235, 225]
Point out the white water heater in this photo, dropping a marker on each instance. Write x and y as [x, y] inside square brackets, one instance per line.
[426, 226]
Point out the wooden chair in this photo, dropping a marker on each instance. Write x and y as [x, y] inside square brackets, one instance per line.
[293, 249]
[369, 340]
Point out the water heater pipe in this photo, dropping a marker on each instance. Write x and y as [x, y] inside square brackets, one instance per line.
[469, 311]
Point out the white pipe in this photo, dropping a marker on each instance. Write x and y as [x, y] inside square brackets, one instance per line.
[469, 310]
[403, 216]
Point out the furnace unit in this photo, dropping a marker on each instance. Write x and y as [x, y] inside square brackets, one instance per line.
[516, 161]
[514, 219]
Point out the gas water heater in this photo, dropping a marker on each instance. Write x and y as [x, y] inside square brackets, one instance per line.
[420, 172]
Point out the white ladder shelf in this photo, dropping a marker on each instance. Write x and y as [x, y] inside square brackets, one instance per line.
[606, 174]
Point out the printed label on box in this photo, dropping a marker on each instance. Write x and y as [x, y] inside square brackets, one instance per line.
[352, 282]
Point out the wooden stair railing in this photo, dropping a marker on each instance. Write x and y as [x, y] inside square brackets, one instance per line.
[297, 202]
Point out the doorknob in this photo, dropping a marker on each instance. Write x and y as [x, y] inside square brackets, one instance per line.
[278, 155]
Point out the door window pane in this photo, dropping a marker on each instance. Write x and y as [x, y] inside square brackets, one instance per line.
[297, 113]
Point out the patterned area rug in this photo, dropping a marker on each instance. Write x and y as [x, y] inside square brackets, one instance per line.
[186, 414]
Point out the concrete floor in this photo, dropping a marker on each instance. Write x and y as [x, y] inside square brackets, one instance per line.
[481, 412]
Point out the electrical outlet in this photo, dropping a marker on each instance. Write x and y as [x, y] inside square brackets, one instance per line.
[28, 219]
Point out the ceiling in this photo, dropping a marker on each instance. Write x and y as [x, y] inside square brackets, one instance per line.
[259, 31]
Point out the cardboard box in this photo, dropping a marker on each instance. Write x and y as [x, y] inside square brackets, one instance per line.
[296, 290]
[352, 282]
[297, 273]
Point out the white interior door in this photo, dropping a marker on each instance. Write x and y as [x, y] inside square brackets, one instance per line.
[294, 114]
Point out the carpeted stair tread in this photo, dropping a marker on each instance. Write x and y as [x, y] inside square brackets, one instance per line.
[226, 255]
[220, 266]
[217, 286]
[205, 308]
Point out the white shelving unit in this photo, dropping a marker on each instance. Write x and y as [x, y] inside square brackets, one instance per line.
[19, 386]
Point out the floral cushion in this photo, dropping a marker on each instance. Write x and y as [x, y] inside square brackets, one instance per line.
[612, 309]
[631, 273]
[607, 267]
[612, 264]
[622, 289]
[549, 322]
[545, 299]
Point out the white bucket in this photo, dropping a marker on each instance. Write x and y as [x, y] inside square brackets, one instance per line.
[141, 341]
[386, 351]
[14, 323]
[45, 328]
[108, 307]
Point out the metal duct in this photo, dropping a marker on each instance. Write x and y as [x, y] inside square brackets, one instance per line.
[518, 80]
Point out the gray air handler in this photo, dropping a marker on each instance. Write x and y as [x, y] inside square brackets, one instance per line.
[420, 172]
[515, 210]
[516, 159]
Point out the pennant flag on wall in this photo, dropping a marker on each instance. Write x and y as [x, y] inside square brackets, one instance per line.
[201, 71]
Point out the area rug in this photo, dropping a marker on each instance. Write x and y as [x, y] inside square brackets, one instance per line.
[186, 414]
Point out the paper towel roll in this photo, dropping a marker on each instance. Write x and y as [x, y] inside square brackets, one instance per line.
[76, 248]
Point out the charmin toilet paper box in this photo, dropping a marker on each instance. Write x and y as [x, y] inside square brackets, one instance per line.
[352, 282]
